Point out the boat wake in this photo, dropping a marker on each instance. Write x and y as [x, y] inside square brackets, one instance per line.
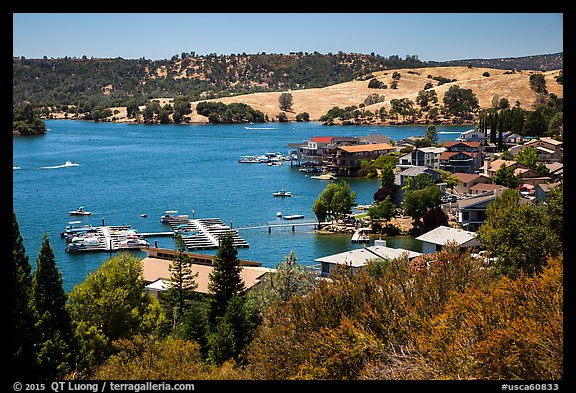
[67, 164]
[259, 128]
[449, 132]
[15, 168]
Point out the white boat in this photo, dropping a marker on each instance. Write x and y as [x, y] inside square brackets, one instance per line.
[80, 212]
[282, 193]
[324, 176]
[278, 214]
[249, 160]
[361, 235]
[132, 242]
[172, 215]
[294, 217]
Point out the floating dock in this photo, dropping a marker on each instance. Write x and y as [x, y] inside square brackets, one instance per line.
[198, 234]
[204, 233]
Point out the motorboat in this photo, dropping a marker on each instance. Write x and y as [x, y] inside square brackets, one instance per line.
[80, 212]
[249, 160]
[282, 193]
[294, 217]
[324, 176]
[74, 228]
[172, 215]
[132, 242]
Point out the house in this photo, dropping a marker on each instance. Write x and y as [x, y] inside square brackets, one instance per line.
[482, 188]
[348, 158]
[472, 136]
[548, 149]
[156, 271]
[490, 167]
[469, 180]
[464, 157]
[541, 190]
[436, 239]
[358, 258]
[320, 149]
[422, 156]
[374, 138]
[413, 171]
[556, 170]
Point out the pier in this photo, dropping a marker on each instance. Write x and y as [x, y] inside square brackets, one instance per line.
[315, 224]
[203, 233]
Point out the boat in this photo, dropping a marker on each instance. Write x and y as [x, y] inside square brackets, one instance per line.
[278, 214]
[294, 217]
[75, 228]
[324, 176]
[84, 243]
[361, 235]
[80, 212]
[143, 215]
[282, 193]
[132, 242]
[249, 160]
[171, 215]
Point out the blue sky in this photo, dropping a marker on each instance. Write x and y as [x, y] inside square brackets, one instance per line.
[431, 36]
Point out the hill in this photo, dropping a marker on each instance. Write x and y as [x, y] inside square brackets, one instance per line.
[317, 101]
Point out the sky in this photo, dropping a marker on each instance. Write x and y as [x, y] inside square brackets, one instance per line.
[154, 36]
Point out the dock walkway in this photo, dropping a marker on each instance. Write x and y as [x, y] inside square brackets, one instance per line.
[204, 233]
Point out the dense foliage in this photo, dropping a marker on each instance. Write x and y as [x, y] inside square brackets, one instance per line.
[218, 112]
[25, 120]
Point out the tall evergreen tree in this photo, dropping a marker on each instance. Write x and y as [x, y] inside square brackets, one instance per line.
[225, 279]
[22, 332]
[182, 279]
[55, 354]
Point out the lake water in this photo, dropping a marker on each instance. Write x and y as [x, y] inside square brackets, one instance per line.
[125, 170]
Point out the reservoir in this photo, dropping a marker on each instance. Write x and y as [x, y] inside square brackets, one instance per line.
[131, 174]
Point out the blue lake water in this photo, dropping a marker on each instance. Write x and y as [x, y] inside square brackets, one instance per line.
[128, 169]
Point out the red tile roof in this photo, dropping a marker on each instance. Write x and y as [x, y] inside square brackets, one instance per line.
[322, 139]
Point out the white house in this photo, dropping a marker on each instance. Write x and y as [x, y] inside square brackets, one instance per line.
[436, 239]
[358, 258]
[472, 136]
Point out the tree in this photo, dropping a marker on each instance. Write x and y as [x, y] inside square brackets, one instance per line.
[505, 176]
[417, 203]
[282, 117]
[460, 102]
[56, 350]
[22, 334]
[112, 304]
[383, 210]
[304, 116]
[520, 234]
[182, 280]
[335, 201]
[285, 102]
[431, 134]
[527, 156]
[225, 279]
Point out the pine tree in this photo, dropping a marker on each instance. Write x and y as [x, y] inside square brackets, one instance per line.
[54, 323]
[225, 279]
[22, 337]
[182, 279]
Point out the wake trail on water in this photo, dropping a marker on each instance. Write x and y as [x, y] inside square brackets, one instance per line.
[259, 128]
[67, 164]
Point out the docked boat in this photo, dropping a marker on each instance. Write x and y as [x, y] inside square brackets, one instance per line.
[80, 212]
[282, 193]
[293, 217]
[324, 176]
[361, 235]
[74, 228]
[132, 242]
[84, 243]
[249, 160]
[172, 215]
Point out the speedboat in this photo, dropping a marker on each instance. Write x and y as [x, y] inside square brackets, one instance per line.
[294, 217]
[249, 160]
[361, 235]
[282, 193]
[80, 212]
[171, 215]
[324, 176]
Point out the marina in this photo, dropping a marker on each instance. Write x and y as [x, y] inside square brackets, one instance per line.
[195, 172]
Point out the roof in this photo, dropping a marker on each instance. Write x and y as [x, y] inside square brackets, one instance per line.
[418, 170]
[554, 166]
[485, 187]
[431, 149]
[481, 199]
[446, 155]
[154, 269]
[547, 186]
[545, 140]
[361, 256]
[366, 148]
[468, 177]
[475, 144]
[443, 234]
[322, 139]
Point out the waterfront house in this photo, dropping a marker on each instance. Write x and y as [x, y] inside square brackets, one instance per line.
[358, 258]
[422, 156]
[469, 180]
[374, 138]
[464, 157]
[436, 239]
[156, 271]
[472, 211]
[321, 149]
[472, 136]
[348, 158]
